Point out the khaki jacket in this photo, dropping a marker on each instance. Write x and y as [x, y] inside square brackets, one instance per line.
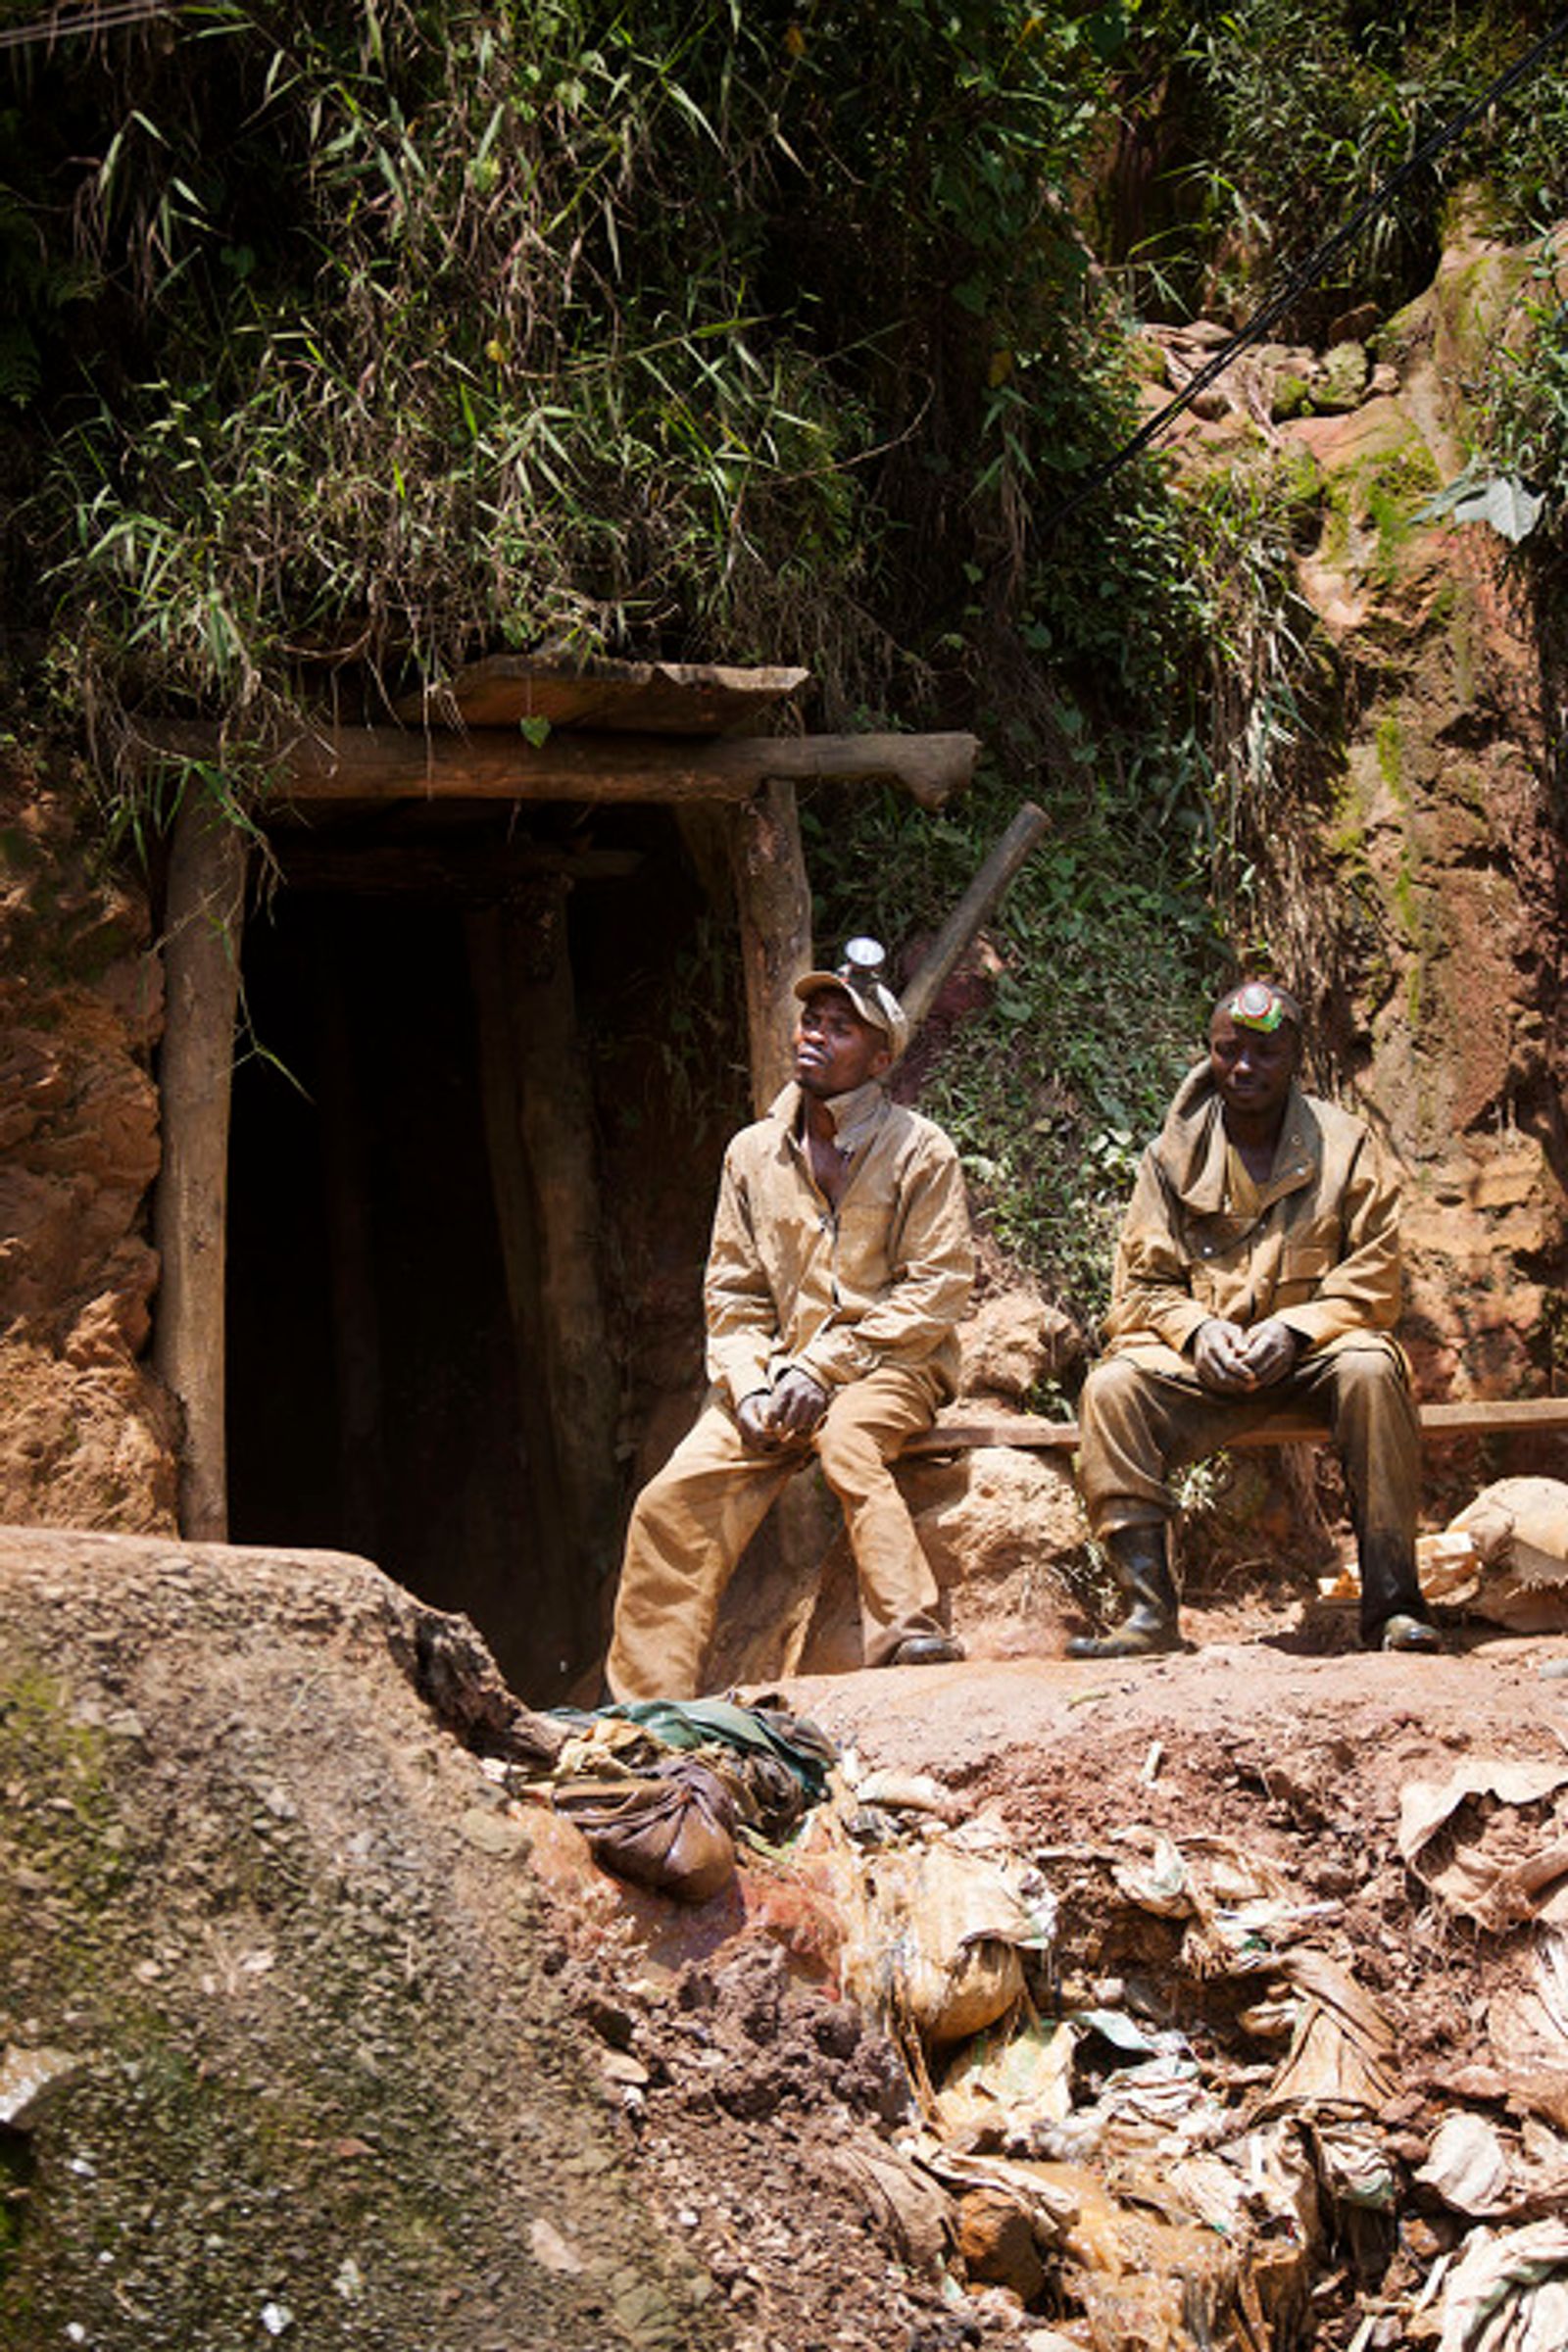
[1322, 1254]
[881, 1280]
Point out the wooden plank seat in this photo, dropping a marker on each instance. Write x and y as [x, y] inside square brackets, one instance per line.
[1481, 1417]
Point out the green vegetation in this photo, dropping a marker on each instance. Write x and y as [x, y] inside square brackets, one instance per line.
[1526, 424]
[1274, 121]
[345, 344]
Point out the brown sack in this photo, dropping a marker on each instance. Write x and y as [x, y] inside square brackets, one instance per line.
[672, 1830]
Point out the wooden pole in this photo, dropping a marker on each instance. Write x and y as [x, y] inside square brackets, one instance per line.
[773, 901]
[1474, 1417]
[977, 905]
[348, 1181]
[539, 1119]
[392, 763]
[489, 968]
[203, 921]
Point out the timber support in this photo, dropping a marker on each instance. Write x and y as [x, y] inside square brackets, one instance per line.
[773, 901]
[203, 922]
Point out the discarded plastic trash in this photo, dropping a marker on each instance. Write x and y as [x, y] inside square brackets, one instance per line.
[1468, 2167]
[1504, 1556]
[1490, 1864]
[1508, 2293]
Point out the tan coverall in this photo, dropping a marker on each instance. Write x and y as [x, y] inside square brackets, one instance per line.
[864, 1298]
[1316, 1246]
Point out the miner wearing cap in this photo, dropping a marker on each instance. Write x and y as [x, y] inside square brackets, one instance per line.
[841, 1261]
[1258, 1268]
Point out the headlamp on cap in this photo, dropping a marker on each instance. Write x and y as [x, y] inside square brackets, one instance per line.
[862, 976]
[864, 959]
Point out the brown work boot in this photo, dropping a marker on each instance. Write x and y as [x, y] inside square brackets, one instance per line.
[1140, 1562]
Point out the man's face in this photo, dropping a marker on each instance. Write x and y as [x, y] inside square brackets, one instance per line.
[835, 1051]
[1253, 1067]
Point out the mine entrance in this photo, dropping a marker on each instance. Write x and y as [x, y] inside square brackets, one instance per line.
[393, 1385]
[387, 1308]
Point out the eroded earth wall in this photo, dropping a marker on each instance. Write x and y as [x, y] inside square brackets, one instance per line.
[1414, 885]
[86, 1434]
[1445, 829]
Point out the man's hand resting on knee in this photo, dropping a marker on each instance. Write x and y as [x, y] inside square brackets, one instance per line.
[771, 1419]
[1272, 1349]
[798, 1405]
[1234, 1361]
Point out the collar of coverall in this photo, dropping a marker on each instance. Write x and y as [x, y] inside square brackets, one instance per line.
[855, 1116]
[1192, 1145]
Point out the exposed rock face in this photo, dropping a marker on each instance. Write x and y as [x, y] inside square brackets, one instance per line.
[87, 1436]
[275, 1953]
[1442, 833]
[1419, 905]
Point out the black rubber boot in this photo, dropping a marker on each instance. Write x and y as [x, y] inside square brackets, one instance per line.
[1394, 1612]
[1140, 1562]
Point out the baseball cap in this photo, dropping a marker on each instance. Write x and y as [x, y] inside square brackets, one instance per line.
[860, 976]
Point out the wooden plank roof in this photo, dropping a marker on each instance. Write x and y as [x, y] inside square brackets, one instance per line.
[642, 697]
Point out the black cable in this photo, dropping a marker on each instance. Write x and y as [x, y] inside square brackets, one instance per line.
[1310, 269]
[92, 19]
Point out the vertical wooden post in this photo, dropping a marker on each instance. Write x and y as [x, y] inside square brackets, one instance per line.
[773, 901]
[202, 929]
[512, 1193]
[347, 1187]
[555, 1110]
[541, 1161]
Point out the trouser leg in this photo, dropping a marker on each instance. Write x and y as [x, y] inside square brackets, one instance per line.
[1365, 1395]
[1136, 1427]
[688, 1529]
[867, 1424]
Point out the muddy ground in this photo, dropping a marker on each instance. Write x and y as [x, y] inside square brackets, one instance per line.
[336, 2042]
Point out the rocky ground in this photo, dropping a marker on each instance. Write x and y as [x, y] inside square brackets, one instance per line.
[317, 2028]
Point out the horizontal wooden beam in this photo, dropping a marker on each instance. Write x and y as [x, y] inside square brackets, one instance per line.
[483, 871]
[643, 698]
[378, 764]
[1479, 1417]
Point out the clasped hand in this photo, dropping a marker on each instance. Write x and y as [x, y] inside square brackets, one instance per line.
[1228, 1357]
[771, 1420]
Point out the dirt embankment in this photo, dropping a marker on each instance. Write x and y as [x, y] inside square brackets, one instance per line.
[86, 1434]
[331, 2039]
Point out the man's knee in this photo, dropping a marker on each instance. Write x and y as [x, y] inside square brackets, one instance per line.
[1368, 1371]
[1369, 1384]
[671, 1505]
[850, 1456]
[1111, 1390]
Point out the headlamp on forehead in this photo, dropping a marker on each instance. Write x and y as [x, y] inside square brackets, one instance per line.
[1259, 1006]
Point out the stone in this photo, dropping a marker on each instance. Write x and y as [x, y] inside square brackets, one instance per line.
[1014, 1340]
[1342, 379]
[497, 1834]
[997, 2242]
[28, 2079]
[1002, 1528]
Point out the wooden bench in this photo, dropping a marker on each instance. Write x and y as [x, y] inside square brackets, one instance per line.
[1484, 1418]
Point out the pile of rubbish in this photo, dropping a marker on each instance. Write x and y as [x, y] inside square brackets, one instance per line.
[1203, 2140]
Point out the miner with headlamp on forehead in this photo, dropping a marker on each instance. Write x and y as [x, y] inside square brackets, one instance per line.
[1258, 1268]
[840, 1263]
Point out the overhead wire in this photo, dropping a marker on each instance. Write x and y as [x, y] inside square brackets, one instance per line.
[107, 17]
[1308, 273]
